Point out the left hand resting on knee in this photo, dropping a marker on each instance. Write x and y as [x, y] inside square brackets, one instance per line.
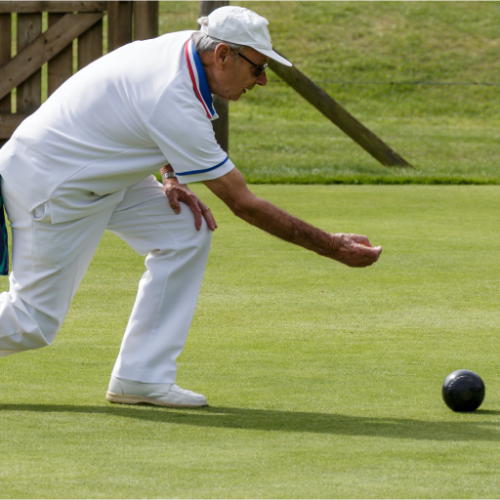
[177, 193]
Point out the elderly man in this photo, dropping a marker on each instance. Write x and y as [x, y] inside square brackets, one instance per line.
[82, 164]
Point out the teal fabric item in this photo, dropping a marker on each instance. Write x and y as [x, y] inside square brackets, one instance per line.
[4, 239]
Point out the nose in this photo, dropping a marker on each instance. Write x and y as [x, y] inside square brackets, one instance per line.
[261, 79]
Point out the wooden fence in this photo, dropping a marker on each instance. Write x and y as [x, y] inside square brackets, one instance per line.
[66, 22]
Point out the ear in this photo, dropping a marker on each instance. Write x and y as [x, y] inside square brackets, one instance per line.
[221, 55]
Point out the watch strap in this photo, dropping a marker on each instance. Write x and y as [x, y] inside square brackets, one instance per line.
[168, 175]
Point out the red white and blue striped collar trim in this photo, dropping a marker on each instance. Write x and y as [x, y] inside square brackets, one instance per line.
[199, 80]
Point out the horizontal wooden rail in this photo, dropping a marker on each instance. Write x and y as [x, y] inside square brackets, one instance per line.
[32, 7]
[338, 115]
[9, 123]
[46, 46]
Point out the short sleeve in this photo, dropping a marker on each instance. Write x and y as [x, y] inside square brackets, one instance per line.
[180, 127]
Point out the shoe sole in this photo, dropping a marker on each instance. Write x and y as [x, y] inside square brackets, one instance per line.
[138, 400]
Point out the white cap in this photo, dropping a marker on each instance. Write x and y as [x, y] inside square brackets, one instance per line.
[242, 27]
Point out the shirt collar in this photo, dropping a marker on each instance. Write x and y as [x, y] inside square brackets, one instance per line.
[199, 80]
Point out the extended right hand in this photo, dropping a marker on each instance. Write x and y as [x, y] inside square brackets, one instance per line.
[353, 250]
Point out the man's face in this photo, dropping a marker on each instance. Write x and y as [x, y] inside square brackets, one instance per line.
[234, 75]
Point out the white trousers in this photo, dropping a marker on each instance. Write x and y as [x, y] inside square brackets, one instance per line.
[50, 260]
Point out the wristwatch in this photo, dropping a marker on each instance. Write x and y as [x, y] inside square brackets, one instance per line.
[168, 175]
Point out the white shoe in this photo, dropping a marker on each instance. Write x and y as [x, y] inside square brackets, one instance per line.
[133, 393]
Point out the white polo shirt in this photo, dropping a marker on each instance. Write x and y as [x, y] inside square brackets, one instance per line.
[112, 124]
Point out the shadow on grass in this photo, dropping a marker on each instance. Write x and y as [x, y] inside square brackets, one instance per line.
[288, 421]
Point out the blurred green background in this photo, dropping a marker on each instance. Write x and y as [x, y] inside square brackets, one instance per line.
[449, 133]
[423, 76]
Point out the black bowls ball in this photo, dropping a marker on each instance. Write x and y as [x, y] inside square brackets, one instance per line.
[463, 391]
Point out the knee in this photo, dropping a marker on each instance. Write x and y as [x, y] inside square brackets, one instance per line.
[24, 327]
[43, 331]
[47, 318]
[45, 334]
[49, 333]
[27, 341]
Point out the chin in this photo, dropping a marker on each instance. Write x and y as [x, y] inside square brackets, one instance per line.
[234, 97]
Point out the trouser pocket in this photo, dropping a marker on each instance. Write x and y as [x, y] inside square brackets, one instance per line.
[42, 213]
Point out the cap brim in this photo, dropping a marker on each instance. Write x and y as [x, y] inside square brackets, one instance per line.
[274, 56]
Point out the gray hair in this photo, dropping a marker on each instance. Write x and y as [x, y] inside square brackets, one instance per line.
[204, 43]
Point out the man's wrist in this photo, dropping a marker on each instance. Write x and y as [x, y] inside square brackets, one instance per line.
[168, 175]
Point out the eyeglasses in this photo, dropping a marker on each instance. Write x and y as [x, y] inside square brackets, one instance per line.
[260, 69]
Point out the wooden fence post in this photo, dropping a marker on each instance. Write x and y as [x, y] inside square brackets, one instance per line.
[90, 45]
[61, 66]
[119, 24]
[5, 43]
[221, 125]
[338, 115]
[146, 16]
[29, 93]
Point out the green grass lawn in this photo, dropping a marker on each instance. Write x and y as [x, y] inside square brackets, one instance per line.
[323, 381]
[449, 133]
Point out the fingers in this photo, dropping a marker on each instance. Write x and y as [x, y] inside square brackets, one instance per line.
[361, 239]
[173, 199]
[200, 212]
[209, 218]
[193, 203]
[177, 194]
[365, 256]
[174, 204]
[355, 250]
